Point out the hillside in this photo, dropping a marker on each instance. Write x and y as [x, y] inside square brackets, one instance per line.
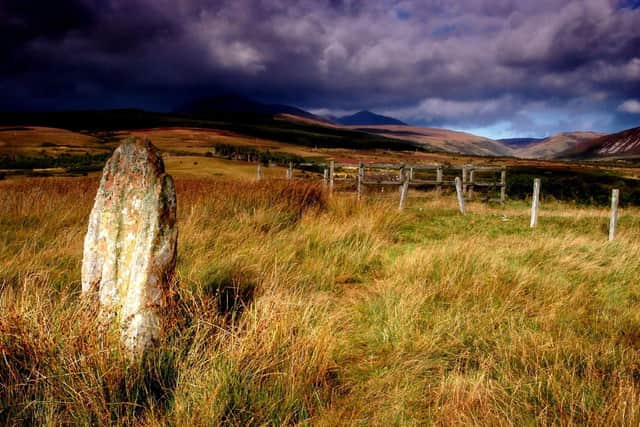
[296, 129]
[617, 145]
[442, 139]
[312, 133]
[283, 127]
[553, 146]
[519, 142]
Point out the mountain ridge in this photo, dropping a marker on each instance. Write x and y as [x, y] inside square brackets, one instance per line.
[367, 118]
[233, 103]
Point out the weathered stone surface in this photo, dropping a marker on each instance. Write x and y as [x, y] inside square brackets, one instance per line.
[130, 246]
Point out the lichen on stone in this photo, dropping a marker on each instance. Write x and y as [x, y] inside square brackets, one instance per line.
[130, 245]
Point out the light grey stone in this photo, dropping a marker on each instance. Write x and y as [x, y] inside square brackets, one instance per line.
[131, 242]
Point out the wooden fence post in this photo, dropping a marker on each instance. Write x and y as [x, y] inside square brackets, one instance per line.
[535, 204]
[290, 171]
[503, 184]
[470, 186]
[325, 177]
[615, 196]
[439, 179]
[460, 195]
[410, 173]
[332, 172]
[404, 189]
[464, 180]
[259, 176]
[359, 178]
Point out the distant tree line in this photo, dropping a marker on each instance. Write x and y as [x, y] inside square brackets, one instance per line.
[72, 163]
[244, 152]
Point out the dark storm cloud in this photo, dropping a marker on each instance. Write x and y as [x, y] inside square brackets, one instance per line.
[471, 64]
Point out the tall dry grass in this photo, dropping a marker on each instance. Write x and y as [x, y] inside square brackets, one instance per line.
[295, 308]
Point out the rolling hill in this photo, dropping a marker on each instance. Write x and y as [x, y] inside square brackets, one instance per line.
[293, 126]
[554, 146]
[312, 133]
[442, 139]
[618, 145]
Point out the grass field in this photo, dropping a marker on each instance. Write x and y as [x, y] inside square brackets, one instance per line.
[291, 307]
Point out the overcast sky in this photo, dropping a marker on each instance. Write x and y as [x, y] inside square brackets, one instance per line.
[498, 68]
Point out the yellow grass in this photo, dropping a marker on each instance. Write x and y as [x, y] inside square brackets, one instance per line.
[291, 307]
[196, 166]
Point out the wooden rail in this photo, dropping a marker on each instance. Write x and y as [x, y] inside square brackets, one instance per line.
[407, 176]
[377, 174]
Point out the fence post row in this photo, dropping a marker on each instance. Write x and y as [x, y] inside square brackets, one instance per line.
[459, 195]
[464, 185]
[535, 204]
[408, 173]
[615, 197]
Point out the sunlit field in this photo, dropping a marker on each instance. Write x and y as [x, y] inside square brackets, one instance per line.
[293, 307]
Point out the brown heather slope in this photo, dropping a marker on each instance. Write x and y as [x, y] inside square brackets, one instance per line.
[37, 140]
[616, 145]
[551, 147]
[437, 139]
[306, 120]
[28, 140]
[442, 139]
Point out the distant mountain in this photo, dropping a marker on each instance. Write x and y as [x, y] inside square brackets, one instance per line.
[616, 145]
[441, 139]
[234, 104]
[367, 118]
[519, 142]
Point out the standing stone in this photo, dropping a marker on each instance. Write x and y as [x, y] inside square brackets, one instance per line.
[130, 246]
